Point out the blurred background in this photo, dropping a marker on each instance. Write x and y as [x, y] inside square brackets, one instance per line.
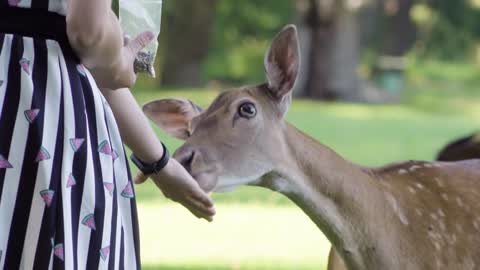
[381, 81]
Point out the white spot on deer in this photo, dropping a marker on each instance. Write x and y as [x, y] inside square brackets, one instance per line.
[441, 213]
[476, 224]
[445, 197]
[427, 165]
[419, 212]
[436, 164]
[414, 167]
[437, 247]
[433, 216]
[453, 239]
[459, 201]
[442, 226]
[412, 190]
[420, 186]
[402, 171]
[396, 208]
[439, 182]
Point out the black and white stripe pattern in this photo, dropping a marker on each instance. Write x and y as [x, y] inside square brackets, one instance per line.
[66, 196]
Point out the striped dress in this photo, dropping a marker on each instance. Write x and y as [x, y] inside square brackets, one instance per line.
[66, 196]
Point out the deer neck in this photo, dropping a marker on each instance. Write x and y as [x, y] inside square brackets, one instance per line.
[336, 194]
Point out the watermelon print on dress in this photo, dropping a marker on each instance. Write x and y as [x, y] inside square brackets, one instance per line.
[47, 196]
[14, 3]
[4, 164]
[105, 148]
[104, 253]
[127, 192]
[58, 251]
[110, 187]
[89, 221]
[76, 143]
[31, 115]
[81, 70]
[71, 181]
[114, 155]
[25, 64]
[42, 155]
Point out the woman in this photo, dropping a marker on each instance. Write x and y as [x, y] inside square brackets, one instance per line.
[66, 197]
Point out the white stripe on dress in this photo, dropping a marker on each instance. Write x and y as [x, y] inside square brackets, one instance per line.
[17, 150]
[67, 164]
[124, 204]
[5, 61]
[57, 6]
[88, 203]
[106, 163]
[51, 117]
[25, 3]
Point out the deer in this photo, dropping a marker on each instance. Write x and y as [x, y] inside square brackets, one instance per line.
[414, 215]
[467, 147]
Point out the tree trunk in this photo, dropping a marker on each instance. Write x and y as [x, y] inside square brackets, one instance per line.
[187, 35]
[399, 31]
[333, 52]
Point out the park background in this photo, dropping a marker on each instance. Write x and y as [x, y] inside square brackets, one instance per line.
[381, 81]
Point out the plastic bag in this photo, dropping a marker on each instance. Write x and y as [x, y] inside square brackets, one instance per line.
[137, 16]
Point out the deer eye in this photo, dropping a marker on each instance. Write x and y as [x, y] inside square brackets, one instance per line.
[247, 110]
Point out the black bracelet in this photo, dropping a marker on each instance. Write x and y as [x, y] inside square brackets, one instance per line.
[152, 168]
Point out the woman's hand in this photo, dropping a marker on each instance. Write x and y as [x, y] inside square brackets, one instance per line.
[121, 73]
[177, 184]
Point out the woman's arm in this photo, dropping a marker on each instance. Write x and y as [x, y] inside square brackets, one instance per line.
[96, 36]
[94, 32]
[136, 132]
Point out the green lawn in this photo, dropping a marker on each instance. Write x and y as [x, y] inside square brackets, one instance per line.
[257, 229]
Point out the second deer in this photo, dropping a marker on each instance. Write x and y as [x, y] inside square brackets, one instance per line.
[413, 215]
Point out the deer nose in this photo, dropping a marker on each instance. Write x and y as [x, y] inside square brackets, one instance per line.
[184, 155]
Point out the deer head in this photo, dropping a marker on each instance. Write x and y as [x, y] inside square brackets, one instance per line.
[240, 124]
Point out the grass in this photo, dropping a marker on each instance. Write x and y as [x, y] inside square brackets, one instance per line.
[258, 229]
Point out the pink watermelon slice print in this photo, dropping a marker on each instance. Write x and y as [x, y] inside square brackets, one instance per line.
[4, 164]
[127, 192]
[114, 155]
[58, 251]
[25, 63]
[105, 148]
[31, 115]
[104, 252]
[76, 143]
[47, 196]
[89, 221]
[81, 70]
[71, 181]
[42, 155]
[110, 187]
[14, 3]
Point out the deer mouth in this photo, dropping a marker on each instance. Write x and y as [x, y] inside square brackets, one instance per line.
[207, 180]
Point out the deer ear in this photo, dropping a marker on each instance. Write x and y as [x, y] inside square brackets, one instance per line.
[173, 115]
[282, 62]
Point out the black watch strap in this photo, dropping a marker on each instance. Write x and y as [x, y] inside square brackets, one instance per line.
[152, 168]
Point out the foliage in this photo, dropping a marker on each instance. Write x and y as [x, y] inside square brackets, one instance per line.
[240, 35]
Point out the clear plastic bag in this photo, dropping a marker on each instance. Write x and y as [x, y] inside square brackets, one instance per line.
[137, 16]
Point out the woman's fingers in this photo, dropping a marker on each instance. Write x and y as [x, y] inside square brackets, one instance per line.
[140, 178]
[201, 196]
[198, 209]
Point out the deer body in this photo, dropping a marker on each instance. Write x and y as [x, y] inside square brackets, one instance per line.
[411, 215]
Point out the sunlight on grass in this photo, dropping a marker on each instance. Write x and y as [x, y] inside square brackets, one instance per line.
[246, 236]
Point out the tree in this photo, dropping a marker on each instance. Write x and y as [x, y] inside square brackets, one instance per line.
[186, 37]
[330, 45]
